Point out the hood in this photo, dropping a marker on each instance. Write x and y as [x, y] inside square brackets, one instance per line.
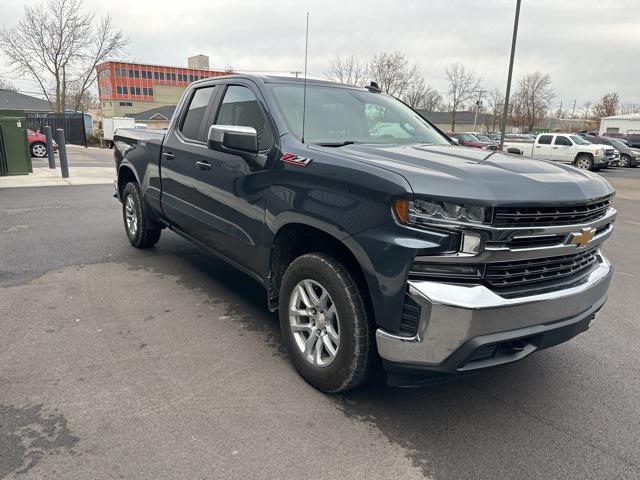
[481, 176]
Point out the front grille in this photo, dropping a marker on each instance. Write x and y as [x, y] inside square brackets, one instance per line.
[541, 216]
[609, 151]
[528, 272]
[410, 319]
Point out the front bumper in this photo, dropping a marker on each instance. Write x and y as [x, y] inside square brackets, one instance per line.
[464, 328]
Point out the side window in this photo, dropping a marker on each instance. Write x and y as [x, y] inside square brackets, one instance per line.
[195, 114]
[561, 140]
[545, 140]
[240, 107]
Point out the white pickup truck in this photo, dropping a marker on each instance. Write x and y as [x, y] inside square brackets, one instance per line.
[565, 148]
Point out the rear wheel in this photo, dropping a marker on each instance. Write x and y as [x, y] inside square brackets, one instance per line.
[326, 324]
[142, 232]
[584, 162]
[38, 150]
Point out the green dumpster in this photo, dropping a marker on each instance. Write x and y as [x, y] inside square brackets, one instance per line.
[15, 158]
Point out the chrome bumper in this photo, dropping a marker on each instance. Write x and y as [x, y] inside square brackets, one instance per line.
[455, 315]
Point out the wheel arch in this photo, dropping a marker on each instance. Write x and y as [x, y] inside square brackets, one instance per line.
[294, 239]
[126, 174]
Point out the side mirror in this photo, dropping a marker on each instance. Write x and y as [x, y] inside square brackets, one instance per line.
[233, 139]
[455, 141]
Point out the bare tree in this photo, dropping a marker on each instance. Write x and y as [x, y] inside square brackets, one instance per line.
[495, 100]
[534, 95]
[463, 84]
[421, 96]
[348, 71]
[7, 85]
[629, 107]
[83, 101]
[59, 46]
[606, 106]
[393, 73]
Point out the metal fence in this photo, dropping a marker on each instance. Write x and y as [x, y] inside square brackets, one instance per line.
[72, 124]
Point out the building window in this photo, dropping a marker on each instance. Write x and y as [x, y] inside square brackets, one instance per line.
[125, 91]
[130, 73]
[137, 91]
[161, 75]
[126, 104]
[145, 91]
[119, 89]
[156, 75]
[180, 77]
[144, 74]
[151, 92]
[148, 74]
[173, 77]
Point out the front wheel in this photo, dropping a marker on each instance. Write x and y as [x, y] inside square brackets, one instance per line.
[141, 231]
[38, 150]
[326, 324]
[584, 162]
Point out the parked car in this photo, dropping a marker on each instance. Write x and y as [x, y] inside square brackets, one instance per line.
[633, 139]
[615, 135]
[565, 148]
[378, 249]
[38, 144]
[469, 140]
[629, 157]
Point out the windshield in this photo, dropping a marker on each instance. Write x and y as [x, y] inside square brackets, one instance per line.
[335, 115]
[483, 138]
[579, 140]
[617, 143]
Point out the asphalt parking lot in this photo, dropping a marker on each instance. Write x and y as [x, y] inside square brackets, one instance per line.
[120, 363]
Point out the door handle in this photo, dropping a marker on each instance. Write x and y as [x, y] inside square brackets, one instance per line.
[168, 155]
[204, 165]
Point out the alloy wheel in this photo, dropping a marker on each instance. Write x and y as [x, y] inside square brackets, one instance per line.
[39, 150]
[314, 322]
[583, 163]
[131, 215]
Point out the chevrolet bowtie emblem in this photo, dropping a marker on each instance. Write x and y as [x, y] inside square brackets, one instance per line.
[583, 237]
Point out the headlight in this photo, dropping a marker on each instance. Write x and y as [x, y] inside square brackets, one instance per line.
[429, 211]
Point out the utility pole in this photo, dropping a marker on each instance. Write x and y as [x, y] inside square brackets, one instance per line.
[560, 110]
[503, 125]
[573, 110]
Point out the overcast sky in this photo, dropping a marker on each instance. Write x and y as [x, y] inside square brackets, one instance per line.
[588, 47]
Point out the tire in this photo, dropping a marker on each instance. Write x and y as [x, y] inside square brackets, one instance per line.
[625, 161]
[354, 353]
[38, 150]
[585, 162]
[142, 232]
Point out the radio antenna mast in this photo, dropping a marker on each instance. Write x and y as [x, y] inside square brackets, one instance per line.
[304, 91]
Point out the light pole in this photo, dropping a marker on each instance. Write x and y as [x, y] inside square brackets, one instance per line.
[503, 125]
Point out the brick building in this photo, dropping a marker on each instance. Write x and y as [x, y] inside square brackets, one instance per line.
[129, 88]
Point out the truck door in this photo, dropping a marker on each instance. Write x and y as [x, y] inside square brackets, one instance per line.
[179, 171]
[542, 147]
[562, 150]
[230, 191]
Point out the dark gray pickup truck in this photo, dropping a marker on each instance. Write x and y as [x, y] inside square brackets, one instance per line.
[382, 244]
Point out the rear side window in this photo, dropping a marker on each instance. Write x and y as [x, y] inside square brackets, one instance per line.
[545, 140]
[192, 123]
[560, 140]
[240, 107]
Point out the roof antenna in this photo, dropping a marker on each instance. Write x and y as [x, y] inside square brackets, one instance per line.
[304, 91]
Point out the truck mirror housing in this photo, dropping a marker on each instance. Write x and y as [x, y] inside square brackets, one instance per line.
[233, 139]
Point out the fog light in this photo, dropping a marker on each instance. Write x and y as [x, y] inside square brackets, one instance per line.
[470, 244]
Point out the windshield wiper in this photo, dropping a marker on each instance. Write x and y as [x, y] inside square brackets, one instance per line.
[337, 144]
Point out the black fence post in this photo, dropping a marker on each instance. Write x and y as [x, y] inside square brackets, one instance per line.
[51, 158]
[84, 132]
[62, 152]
